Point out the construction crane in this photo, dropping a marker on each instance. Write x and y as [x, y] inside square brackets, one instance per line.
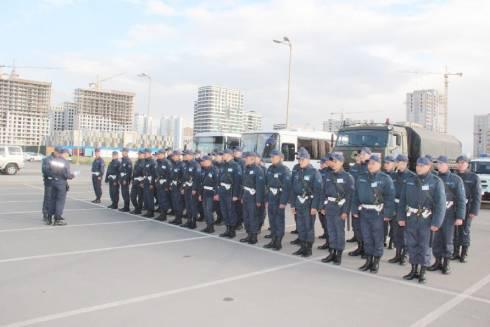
[446, 75]
[13, 73]
[98, 80]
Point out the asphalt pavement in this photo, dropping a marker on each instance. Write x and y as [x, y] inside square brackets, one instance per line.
[107, 268]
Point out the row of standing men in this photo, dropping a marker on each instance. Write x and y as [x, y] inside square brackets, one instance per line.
[422, 210]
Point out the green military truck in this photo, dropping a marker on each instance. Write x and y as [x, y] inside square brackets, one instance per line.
[394, 139]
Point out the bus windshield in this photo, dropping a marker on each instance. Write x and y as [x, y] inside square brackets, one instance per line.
[480, 167]
[208, 144]
[362, 137]
[261, 143]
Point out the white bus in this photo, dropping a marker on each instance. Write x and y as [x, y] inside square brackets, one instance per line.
[208, 142]
[288, 142]
[481, 167]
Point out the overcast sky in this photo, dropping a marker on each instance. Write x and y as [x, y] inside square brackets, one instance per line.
[347, 55]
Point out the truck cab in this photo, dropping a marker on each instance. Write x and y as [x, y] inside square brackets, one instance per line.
[382, 139]
[481, 166]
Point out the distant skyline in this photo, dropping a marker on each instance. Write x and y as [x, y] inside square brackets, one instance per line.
[347, 55]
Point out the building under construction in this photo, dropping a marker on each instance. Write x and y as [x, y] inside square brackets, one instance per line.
[104, 110]
[24, 108]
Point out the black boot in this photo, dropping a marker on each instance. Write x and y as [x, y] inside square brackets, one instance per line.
[295, 242]
[192, 223]
[413, 273]
[446, 268]
[278, 244]
[353, 239]
[324, 246]
[437, 265]
[367, 265]
[358, 251]
[239, 226]
[403, 257]
[271, 244]
[375, 266]
[49, 220]
[149, 214]
[464, 254]
[232, 232]
[338, 258]
[397, 257]
[162, 216]
[136, 212]
[268, 235]
[177, 220]
[422, 278]
[323, 236]
[294, 231]
[308, 252]
[302, 249]
[110, 206]
[226, 233]
[455, 255]
[253, 239]
[390, 244]
[200, 218]
[209, 229]
[124, 209]
[330, 257]
[246, 239]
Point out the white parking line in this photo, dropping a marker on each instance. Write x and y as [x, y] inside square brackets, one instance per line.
[153, 296]
[130, 246]
[443, 309]
[354, 271]
[39, 211]
[71, 226]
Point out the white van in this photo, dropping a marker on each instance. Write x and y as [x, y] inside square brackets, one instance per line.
[11, 159]
[481, 166]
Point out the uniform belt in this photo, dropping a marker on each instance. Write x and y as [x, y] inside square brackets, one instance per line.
[173, 183]
[303, 198]
[112, 176]
[339, 202]
[466, 201]
[397, 200]
[148, 178]
[422, 212]
[188, 184]
[139, 179]
[162, 181]
[377, 207]
[209, 188]
[250, 190]
[49, 177]
[226, 186]
[449, 204]
[96, 173]
[123, 174]
[275, 190]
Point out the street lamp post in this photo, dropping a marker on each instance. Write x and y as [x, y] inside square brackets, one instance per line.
[285, 40]
[144, 75]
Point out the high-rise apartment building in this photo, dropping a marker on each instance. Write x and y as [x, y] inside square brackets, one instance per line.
[425, 107]
[481, 135]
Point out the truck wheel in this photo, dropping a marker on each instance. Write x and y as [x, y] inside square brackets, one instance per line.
[11, 169]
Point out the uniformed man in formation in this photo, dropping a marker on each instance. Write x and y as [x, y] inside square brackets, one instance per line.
[373, 204]
[98, 167]
[472, 187]
[429, 213]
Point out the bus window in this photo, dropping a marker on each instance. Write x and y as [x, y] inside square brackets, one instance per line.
[232, 142]
[316, 148]
[288, 151]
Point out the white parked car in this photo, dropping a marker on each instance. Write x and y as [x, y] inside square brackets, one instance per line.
[11, 159]
[32, 156]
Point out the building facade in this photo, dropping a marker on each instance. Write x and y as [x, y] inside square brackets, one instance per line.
[104, 110]
[24, 110]
[253, 121]
[481, 135]
[218, 109]
[425, 107]
[62, 117]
